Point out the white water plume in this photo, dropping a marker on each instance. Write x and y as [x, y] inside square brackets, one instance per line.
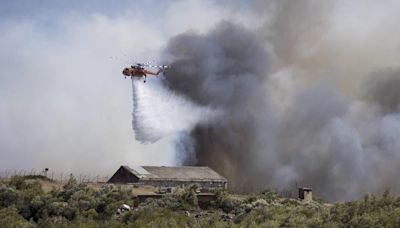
[159, 112]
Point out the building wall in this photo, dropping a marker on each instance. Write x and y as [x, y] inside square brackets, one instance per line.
[173, 184]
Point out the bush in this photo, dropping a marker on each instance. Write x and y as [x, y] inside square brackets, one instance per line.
[189, 196]
[226, 202]
[9, 217]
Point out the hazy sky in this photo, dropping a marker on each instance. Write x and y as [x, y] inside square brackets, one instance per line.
[63, 102]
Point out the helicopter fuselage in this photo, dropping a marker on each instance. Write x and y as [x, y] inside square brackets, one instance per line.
[134, 72]
[137, 71]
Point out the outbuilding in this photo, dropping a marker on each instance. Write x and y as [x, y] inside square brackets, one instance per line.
[169, 177]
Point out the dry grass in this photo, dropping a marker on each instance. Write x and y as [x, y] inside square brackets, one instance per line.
[48, 185]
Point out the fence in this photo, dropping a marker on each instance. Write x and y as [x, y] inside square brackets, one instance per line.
[59, 177]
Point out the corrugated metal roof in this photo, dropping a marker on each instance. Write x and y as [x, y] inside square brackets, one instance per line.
[140, 170]
[180, 173]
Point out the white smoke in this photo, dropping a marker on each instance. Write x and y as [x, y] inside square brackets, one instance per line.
[159, 112]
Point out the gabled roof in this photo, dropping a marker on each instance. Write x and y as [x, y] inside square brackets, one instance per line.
[179, 173]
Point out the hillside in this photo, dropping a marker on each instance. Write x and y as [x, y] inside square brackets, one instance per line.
[27, 202]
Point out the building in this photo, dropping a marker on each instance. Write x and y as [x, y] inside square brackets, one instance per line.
[305, 194]
[169, 177]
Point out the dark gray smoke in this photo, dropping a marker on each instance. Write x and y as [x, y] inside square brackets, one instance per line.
[301, 104]
[226, 68]
[383, 90]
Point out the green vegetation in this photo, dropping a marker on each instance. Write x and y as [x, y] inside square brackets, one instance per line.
[23, 203]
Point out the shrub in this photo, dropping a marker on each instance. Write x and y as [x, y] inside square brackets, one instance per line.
[226, 202]
[9, 217]
[189, 196]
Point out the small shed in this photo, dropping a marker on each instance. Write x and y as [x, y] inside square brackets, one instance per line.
[169, 177]
[305, 194]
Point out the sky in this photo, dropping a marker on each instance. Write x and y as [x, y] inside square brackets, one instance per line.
[63, 101]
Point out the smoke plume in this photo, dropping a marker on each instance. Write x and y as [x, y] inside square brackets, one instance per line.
[304, 102]
[383, 90]
[226, 68]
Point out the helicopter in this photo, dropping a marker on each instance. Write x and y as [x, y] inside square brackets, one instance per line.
[139, 70]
